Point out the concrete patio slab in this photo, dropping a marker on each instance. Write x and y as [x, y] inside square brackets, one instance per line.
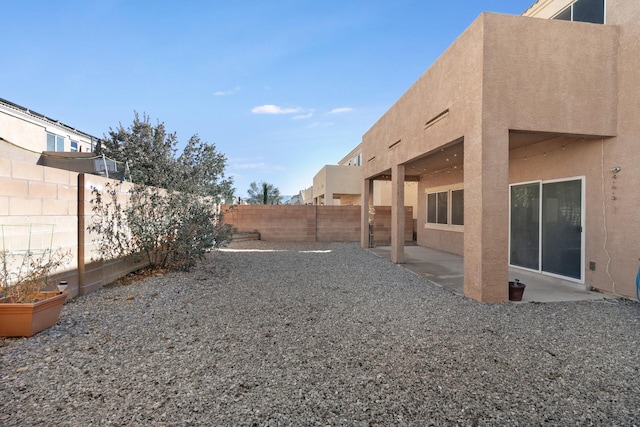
[447, 270]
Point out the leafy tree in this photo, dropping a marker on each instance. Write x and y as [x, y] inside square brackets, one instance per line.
[263, 194]
[151, 153]
[200, 169]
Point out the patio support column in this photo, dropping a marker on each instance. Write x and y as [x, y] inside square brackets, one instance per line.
[367, 201]
[397, 214]
[486, 214]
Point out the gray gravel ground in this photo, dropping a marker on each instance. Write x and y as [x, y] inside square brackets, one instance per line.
[336, 338]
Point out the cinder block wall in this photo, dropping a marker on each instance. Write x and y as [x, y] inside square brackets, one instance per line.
[312, 223]
[338, 223]
[33, 198]
[95, 274]
[274, 222]
[36, 197]
[382, 224]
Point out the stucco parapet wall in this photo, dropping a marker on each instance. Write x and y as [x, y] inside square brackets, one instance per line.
[337, 179]
[505, 72]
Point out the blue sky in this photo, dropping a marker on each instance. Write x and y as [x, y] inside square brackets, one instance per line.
[280, 87]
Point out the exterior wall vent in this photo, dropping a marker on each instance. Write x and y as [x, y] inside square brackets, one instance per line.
[436, 119]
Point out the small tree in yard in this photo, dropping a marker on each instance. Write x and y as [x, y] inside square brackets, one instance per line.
[263, 194]
[170, 216]
[170, 230]
[151, 153]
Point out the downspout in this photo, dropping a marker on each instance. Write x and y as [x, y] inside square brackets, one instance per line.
[638, 285]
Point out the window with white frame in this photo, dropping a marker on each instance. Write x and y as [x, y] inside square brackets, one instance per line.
[584, 11]
[356, 161]
[74, 146]
[446, 207]
[55, 142]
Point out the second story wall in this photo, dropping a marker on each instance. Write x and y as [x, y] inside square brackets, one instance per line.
[37, 133]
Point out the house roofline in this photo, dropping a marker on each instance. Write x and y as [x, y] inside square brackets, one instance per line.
[45, 118]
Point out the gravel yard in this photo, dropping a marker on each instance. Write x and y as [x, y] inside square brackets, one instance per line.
[332, 337]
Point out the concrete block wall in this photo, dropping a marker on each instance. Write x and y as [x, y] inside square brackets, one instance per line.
[338, 223]
[382, 224]
[95, 274]
[274, 222]
[312, 223]
[38, 208]
[47, 201]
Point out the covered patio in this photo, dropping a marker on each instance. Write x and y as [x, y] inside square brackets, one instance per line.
[447, 271]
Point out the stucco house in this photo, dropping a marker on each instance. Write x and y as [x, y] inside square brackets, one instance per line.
[28, 136]
[524, 141]
[36, 132]
[341, 184]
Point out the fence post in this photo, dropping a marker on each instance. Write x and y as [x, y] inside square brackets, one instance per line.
[81, 231]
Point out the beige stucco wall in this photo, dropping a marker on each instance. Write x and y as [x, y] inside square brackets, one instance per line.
[22, 133]
[623, 212]
[524, 67]
[307, 196]
[452, 83]
[545, 75]
[30, 132]
[382, 194]
[334, 180]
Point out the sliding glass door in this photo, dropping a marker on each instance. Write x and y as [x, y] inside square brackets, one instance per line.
[546, 227]
[525, 225]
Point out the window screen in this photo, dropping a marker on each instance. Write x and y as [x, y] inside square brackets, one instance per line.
[442, 207]
[51, 142]
[589, 11]
[431, 208]
[584, 11]
[457, 207]
[59, 143]
[565, 15]
[525, 225]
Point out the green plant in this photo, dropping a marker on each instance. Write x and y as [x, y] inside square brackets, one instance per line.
[170, 230]
[24, 275]
[263, 194]
[150, 150]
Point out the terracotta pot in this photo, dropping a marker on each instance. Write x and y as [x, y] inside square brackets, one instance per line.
[516, 291]
[27, 319]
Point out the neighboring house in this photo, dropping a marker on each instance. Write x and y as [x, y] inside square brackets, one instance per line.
[35, 132]
[295, 200]
[306, 196]
[524, 141]
[33, 137]
[339, 184]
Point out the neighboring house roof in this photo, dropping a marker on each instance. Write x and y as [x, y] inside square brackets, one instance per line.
[45, 118]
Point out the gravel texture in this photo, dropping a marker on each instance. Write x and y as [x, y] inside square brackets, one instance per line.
[322, 338]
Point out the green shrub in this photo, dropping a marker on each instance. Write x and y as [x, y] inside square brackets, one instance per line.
[170, 230]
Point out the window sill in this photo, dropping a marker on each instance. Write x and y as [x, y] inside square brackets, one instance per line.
[445, 227]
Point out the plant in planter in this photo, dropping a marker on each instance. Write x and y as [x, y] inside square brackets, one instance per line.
[516, 289]
[26, 307]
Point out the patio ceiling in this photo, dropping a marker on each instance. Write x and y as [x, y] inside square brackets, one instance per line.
[450, 157]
